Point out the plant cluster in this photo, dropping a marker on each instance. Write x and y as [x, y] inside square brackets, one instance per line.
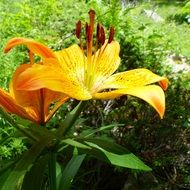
[183, 15]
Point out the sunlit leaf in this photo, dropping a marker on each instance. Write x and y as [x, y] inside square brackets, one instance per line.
[74, 144]
[117, 155]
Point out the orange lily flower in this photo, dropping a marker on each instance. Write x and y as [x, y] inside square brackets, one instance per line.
[32, 105]
[84, 75]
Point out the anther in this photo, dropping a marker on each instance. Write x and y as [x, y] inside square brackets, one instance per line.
[111, 35]
[78, 29]
[86, 27]
[88, 37]
[103, 37]
[98, 32]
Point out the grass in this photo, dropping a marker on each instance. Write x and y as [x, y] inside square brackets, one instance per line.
[176, 35]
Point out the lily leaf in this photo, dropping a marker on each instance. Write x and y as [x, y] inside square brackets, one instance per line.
[70, 119]
[70, 171]
[14, 180]
[6, 165]
[41, 132]
[34, 178]
[116, 154]
[91, 132]
[74, 144]
[58, 174]
[4, 176]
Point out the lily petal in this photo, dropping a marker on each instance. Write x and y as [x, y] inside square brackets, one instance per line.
[32, 45]
[24, 98]
[106, 62]
[152, 94]
[33, 99]
[56, 106]
[133, 78]
[40, 76]
[72, 61]
[11, 106]
[52, 98]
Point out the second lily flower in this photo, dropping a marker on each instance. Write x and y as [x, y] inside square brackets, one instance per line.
[39, 105]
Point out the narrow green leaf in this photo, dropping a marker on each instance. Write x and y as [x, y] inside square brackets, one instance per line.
[119, 157]
[34, 178]
[70, 171]
[73, 143]
[4, 176]
[52, 171]
[41, 132]
[58, 174]
[102, 129]
[70, 119]
[5, 165]
[14, 180]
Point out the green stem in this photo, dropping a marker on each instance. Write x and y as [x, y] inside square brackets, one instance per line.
[71, 118]
[52, 170]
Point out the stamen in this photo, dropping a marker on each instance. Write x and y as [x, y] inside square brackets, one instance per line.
[87, 33]
[93, 56]
[78, 29]
[31, 57]
[103, 36]
[111, 35]
[98, 33]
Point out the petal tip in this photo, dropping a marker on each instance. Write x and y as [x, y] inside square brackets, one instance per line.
[11, 43]
[164, 84]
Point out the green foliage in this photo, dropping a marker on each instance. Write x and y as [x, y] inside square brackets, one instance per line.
[183, 15]
[135, 125]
